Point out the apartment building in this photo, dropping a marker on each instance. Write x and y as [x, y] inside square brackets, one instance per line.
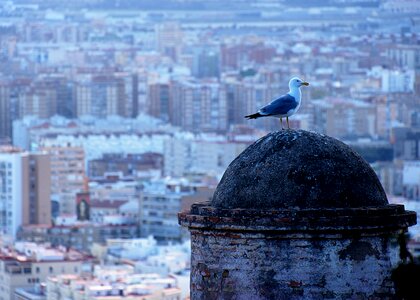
[77, 236]
[25, 265]
[67, 176]
[113, 282]
[160, 202]
[24, 192]
[5, 120]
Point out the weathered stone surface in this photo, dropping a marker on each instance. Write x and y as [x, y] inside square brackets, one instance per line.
[255, 267]
[288, 169]
[297, 215]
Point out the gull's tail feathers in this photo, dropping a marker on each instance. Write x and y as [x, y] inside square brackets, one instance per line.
[254, 116]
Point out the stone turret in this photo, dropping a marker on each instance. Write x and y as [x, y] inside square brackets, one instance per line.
[297, 215]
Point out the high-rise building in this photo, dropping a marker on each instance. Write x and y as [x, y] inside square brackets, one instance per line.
[342, 118]
[36, 196]
[39, 100]
[397, 81]
[206, 61]
[24, 189]
[176, 157]
[64, 91]
[405, 56]
[198, 106]
[158, 100]
[100, 96]
[67, 176]
[5, 118]
[17, 87]
[131, 94]
[200, 156]
[406, 143]
[233, 95]
[410, 180]
[417, 83]
[169, 39]
[245, 97]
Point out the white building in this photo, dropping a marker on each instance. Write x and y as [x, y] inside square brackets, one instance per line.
[133, 249]
[401, 6]
[183, 152]
[411, 180]
[113, 282]
[120, 190]
[11, 192]
[171, 259]
[96, 136]
[147, 257]
[203, 154]
[394, 81]
[24, 199]
[25, 265]
[159, 204]
[405, 56]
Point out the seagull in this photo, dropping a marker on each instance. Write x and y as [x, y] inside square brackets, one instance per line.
[285, 106]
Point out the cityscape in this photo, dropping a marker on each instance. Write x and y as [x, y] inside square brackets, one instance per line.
[116, 115]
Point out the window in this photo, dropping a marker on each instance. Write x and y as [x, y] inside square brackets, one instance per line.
[37, 269]
[51, 269]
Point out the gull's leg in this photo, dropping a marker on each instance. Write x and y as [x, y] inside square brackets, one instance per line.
[287, 120]
[281, 122]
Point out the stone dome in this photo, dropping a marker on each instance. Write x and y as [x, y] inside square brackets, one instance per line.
[298, 169]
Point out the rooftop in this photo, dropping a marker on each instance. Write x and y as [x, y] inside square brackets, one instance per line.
[32, 252]
[111, 285]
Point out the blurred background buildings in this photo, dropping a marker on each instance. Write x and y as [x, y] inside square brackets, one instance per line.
[115, 115]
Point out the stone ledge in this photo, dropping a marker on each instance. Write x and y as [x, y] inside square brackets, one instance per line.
[363, 219]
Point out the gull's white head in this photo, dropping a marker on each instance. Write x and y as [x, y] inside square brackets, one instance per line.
[296, 83]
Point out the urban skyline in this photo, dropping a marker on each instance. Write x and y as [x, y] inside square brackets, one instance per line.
[116, 114]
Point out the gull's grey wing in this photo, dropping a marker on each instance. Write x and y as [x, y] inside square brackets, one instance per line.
[279, 106]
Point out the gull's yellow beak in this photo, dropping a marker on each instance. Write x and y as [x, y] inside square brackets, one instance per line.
[305, 83]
